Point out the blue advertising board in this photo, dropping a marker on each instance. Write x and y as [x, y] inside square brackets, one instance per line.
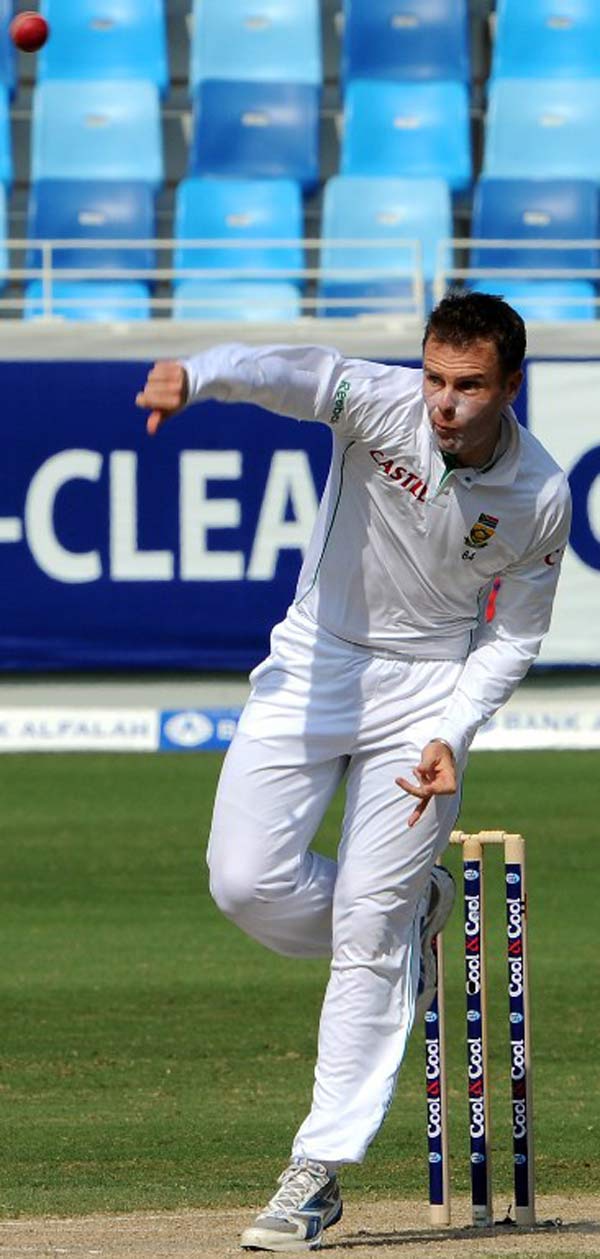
[121, 551]
[178, 552]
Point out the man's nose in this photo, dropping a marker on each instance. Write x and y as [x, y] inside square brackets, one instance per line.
[447, 400]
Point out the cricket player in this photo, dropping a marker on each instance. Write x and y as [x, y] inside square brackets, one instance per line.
[379, 676]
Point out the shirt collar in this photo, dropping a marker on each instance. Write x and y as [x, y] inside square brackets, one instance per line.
[502, 468]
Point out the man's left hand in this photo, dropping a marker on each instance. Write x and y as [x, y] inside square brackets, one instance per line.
[435, 774]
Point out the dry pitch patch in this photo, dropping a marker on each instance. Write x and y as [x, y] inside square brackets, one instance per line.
[368, 1231]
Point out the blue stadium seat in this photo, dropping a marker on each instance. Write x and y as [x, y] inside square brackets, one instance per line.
[256, 131]
[63, 209]
[97, 130]
[368, 208]
[241, 300]
[406, 39]
[541, 39]
[408, 129]
[6, 163]
[105, 39]
[256, 39]
[4, 256]
[535, 210]
[546, 300]
[245, 212]
[97, 301]
[7, 48]
[543, 128]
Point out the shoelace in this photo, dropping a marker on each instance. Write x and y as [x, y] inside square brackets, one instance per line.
[297, 1183]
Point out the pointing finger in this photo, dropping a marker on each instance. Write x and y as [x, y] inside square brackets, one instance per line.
[412, 789]
[419, 811]
[155, 421]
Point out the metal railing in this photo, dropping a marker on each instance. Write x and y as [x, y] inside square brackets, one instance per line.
[393, 286]
[47, 262]
[451, 276]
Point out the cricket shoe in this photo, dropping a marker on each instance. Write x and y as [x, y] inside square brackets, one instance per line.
[307, 1202]
[442, 891]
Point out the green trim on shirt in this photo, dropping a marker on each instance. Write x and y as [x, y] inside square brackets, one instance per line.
[331, 524]
[451, 462]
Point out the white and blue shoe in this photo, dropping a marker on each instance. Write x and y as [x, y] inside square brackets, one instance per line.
[442, 892]
[307, 1202]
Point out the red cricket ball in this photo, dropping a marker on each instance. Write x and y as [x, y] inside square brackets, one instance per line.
[29, 31]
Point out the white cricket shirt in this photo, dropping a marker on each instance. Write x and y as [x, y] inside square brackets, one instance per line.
[403, 552]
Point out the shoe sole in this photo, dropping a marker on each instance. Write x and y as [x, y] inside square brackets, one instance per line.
[259, 1239]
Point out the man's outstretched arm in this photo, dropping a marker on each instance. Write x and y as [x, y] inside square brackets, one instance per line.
[305, 382]
[297, 381]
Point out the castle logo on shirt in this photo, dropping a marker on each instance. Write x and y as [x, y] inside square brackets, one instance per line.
[406, 480]
[482, 531]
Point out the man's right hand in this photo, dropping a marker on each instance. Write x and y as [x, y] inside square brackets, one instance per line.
[164, 394]
[436, 776]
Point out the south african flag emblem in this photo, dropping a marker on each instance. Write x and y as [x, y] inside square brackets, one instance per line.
[482, 531]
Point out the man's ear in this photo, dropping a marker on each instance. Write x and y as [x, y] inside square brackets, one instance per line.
[513, 384]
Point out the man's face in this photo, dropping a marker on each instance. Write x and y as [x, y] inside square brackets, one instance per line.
[465, 391]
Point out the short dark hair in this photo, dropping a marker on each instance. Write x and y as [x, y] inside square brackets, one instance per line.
[461, 318]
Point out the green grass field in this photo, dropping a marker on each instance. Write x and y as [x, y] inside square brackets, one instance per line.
[151, 1056]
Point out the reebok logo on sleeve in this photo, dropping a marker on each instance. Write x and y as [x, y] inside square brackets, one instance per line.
[339, 400]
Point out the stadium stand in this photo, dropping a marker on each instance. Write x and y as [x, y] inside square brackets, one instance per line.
[538, 167]
[252, 302]
[7, 50]
[555, 121]
[106, 210]
[401, 39]
[260, 97]
[545, 300]
[528, 212]
[422, 130]
[256, 130]
[3, 236]
[255, 75]
[238, 224]
[105, 39]
[6, 163]
[89, 300]
[237, 217]
[97, 129]
[543, 39]
[243, 214]
[246, 40]
[366, 208]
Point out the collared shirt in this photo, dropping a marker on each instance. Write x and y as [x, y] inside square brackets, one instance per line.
[404, 550]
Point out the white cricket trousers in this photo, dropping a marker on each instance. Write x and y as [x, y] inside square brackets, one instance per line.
[320, 711]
